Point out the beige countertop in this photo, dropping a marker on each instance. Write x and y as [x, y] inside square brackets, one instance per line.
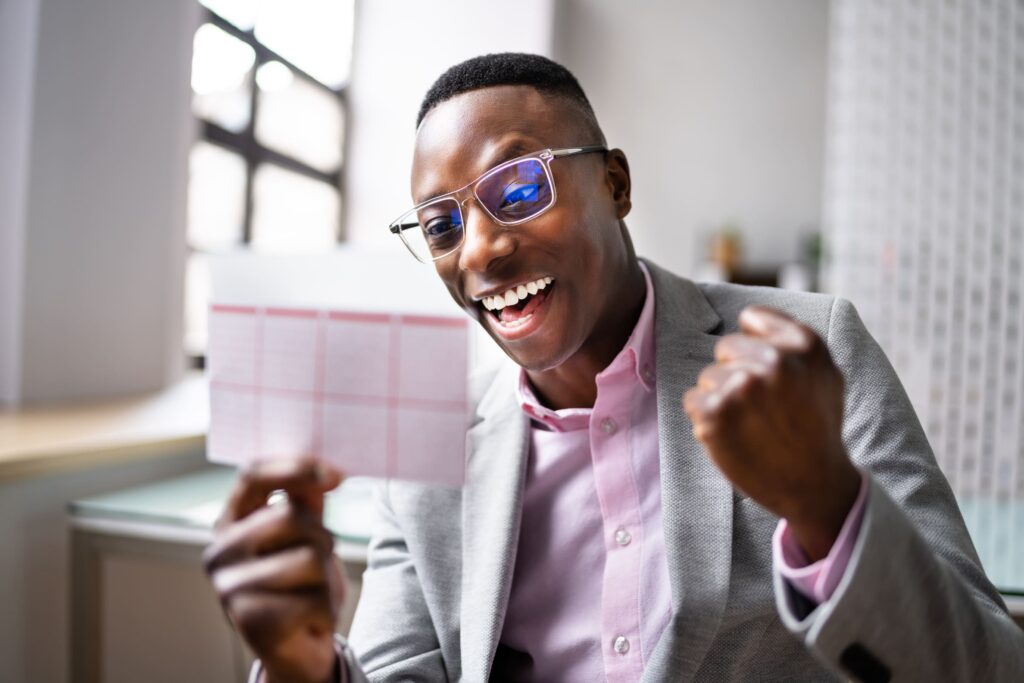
[50, 439]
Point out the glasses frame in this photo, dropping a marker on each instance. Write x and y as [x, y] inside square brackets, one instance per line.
[468, 191]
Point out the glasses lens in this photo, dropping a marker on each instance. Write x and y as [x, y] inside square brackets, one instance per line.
[516, 192]
[432, 231]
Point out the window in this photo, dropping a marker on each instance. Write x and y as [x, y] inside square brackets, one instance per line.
[268, 92]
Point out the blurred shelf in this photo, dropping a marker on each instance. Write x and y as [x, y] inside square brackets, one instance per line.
[45, 440]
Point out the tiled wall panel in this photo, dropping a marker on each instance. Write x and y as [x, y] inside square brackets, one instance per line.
[925, 216]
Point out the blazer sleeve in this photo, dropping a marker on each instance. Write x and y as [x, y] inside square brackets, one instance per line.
[914, 602]
[392, 636]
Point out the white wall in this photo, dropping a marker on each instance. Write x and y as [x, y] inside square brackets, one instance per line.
[103, 192]
[720, 107]
[401, 47]
[18, 21]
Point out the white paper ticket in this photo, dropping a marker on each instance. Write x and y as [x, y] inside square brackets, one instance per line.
[381, 395]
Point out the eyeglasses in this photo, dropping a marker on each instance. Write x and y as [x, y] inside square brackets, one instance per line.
[511, 193]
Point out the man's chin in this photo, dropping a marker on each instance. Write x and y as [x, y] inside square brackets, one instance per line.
[533, 355]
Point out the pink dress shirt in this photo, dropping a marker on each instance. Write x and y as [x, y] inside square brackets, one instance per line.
[590, 594]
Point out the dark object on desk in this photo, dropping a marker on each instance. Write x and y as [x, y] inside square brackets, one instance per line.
[767, 276]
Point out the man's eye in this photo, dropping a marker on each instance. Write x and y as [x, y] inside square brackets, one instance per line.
[518, 195]
[438, 227]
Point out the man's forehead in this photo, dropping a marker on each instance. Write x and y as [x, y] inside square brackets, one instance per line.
[464, 136]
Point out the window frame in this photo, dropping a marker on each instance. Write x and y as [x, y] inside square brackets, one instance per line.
[246, 144]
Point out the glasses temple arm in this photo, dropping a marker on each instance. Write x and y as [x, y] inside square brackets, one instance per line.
[578, 150]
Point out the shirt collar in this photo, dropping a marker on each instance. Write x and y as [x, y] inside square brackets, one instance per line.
[636, 357]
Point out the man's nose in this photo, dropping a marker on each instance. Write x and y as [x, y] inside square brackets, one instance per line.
[485, 241]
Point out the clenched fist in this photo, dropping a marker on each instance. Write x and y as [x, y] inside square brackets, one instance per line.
[275, 571]
[769, 411]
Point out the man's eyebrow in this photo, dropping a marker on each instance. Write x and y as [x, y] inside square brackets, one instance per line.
[511, 151]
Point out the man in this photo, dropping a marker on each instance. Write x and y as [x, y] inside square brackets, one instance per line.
[625, 476]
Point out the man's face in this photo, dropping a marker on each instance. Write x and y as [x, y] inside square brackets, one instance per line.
[578, 243]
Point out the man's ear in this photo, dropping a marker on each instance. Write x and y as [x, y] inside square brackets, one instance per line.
[617, 174]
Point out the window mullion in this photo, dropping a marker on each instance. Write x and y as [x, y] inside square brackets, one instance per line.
[250, 150]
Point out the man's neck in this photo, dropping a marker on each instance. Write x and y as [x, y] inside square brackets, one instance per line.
[573, 384]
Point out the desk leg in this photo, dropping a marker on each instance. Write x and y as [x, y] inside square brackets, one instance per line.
[86, 599]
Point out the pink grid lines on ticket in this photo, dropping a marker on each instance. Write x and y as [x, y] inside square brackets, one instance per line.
[379, 395]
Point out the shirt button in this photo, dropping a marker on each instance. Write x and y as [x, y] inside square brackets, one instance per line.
[621, 645]
[648, 375]
[608, 426]
[622, 537]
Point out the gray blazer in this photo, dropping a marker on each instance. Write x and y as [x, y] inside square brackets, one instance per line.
[914, 602]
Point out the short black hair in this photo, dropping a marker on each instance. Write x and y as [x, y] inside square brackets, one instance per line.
[508, 68]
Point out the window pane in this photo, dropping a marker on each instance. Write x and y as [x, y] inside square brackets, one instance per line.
[197, 301]
[292, 212]
[241, 13]
[315, 35]
[221, 65]
[216, 197]
[298, 118]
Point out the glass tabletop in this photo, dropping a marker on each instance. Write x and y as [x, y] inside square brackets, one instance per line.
[196, 500]
[997, 529]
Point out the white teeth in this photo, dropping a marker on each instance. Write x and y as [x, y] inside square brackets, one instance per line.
[493, 303]
[516, 294]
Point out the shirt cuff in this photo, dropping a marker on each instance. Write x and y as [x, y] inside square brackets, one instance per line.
[817, 581]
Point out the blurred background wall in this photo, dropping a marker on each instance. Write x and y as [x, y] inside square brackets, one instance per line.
[720, 107]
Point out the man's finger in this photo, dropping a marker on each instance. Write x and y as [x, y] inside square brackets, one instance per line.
[746, 349]
[265, 531]
[301, 568]
[713, 376]
[304, 480]
[776, 328]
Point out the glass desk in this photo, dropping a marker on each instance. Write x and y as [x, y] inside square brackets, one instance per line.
[186, 508]
[997, 529]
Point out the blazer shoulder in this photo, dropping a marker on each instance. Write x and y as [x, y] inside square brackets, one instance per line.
[812, 309]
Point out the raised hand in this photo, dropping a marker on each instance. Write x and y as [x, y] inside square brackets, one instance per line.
[769, 411]
[274, 569]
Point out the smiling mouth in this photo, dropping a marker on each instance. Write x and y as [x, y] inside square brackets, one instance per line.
[514, 308]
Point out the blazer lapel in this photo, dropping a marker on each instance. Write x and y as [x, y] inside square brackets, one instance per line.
[497, 447]
[696, 499]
